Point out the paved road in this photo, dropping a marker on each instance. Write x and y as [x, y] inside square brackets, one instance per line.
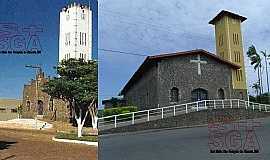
[177, 144]
[28, 145]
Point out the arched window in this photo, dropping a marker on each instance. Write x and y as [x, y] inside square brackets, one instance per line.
[174, 95]
[221, 94]
[199, 94]
[28, 105]
[241, 95]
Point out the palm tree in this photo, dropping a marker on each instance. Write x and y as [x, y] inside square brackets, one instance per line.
[255, 59]
[256, 86]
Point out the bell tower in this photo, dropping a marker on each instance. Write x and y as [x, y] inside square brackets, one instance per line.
[229, 44]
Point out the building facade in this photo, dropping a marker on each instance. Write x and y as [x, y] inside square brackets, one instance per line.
[183, 77]
[75, 37]
[37, 103]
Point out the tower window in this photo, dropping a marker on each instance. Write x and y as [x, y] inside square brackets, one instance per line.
[236, 39]
[67, 39]
[237, 57]
[220, 41]
[239, 75]
[85, 39]
[80, 38]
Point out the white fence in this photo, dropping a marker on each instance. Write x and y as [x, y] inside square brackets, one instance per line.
[119, 120]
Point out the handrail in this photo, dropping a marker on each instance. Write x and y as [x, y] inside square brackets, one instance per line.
[184, 108]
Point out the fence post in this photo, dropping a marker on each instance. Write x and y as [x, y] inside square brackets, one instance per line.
[133, 119]
[205, 104]
[186, 109]
[173, 110]
[223, 104]
[265, 108]
[238, 103]
[231, 103]
[162, 113]
[246, 105]
[260, 107]
[253, 106]
[215, 107]
[197, 106]
[148, 115]
[115, 121]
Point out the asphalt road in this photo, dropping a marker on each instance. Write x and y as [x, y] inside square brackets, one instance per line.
[186, 144]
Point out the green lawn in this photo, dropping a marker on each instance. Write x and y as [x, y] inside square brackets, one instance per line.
[72, 136]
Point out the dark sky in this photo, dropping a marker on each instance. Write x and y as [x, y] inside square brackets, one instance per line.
[163, 26]
[45, 15]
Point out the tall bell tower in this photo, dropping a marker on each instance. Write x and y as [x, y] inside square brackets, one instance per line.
[229, 44]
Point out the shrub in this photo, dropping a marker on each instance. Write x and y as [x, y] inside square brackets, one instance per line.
[118, 110]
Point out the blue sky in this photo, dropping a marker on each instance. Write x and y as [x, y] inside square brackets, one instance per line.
[158, 26]
[45, 15]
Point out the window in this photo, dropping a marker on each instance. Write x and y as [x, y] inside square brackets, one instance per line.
[28, 103]
[236, 39]
[237, 57]
[80, 38]
[239, 75]
[85, 39]
[174, 95]
[221, 94]
[67, 39]
[220, 41]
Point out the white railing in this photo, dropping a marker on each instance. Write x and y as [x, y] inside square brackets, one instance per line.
[119, 120]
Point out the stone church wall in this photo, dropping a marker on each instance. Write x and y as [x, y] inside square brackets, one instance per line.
[32, 94]
[179, 72]
[143, 94]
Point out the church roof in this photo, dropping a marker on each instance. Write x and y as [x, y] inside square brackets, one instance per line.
[150, 61]
[226, 13]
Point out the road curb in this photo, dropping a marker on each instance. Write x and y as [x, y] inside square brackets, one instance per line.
[152, 130]
[164, 129]
[75, 141]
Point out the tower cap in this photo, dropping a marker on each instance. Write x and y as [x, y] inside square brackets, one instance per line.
[226, 13]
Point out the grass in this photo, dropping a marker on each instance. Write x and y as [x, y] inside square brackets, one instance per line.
[73, 136]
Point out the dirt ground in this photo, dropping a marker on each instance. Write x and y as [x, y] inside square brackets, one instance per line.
[37, 145]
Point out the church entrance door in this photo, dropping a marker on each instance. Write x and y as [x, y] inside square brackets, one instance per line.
[40, 107]
[199, 94]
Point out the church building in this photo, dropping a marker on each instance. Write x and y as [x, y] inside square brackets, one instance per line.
[195, 75]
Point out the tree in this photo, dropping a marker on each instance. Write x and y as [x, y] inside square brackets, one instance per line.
[77, 85]
[256, 87]
[256, 60]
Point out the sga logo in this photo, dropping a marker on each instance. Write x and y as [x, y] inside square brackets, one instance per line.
[15, 39]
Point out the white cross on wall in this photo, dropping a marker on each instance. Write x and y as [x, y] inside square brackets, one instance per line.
[199, 62]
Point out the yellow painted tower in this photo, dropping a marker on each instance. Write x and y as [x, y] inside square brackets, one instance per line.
[229, 44]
